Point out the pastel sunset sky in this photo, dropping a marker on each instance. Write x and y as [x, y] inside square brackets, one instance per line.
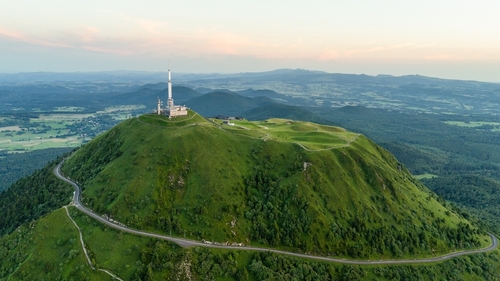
[448, 39]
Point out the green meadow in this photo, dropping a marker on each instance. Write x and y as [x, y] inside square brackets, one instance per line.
[309, 135]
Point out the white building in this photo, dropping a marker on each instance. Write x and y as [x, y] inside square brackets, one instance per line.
[171, 110]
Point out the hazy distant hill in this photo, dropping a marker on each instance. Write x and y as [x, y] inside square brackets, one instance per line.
[155, 86]
[118, 76]
[303, 76]
[225, 103]
[282, 111]
[413, 93]
[180, 94]
[251, 93]
[148, 95]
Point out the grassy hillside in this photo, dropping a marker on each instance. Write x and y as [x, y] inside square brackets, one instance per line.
[48, 249]
[251, 93]
[285, 184]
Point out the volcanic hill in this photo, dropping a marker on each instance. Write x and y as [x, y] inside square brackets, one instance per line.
[277, 183]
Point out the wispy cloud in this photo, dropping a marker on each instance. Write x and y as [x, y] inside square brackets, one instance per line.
[85, 34]
[20, 37]
[157, 38]
[328, 55]
[381, 49]
[442, 57]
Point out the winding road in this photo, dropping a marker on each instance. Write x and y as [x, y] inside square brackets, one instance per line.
[190, 243]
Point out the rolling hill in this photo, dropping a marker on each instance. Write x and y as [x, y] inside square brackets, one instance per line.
[148, 95]
[251, 93]
[277, 110]
[225, 103]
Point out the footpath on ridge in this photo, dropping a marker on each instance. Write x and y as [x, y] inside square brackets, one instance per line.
[190, 243]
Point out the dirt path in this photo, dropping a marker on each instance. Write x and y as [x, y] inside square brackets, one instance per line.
[85, 250]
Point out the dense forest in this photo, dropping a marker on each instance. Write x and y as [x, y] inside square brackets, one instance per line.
[477, 194]
[18, 165]
[32, 197]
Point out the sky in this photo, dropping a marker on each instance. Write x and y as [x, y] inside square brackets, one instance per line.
[447, 39]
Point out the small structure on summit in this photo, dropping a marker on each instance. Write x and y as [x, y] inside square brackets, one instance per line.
[171, 110]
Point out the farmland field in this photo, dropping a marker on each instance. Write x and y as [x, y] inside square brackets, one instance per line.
[63, 127]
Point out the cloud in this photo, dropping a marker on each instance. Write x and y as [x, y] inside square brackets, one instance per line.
[20, 37]
[329, 55]
[83, 38]
[381, 49]
[441, 57]
[152, 38]
[425, 45]
[86, 33]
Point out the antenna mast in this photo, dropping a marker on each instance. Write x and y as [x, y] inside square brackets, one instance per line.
[170, 100]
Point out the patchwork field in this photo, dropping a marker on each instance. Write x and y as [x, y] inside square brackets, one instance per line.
[64, 127]
[472, 124]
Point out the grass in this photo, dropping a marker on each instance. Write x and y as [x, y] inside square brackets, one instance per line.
[311, 136]
[471, 124]
[425, 176]
[31, 141]
[120, 252]
[47, 249]
[42, 133]
[192, 178]
[121, 108]
[193, 118]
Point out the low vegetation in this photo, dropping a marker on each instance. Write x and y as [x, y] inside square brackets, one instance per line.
[49, 249]
[46, 249]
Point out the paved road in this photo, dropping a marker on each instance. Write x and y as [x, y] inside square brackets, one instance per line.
[189, 243]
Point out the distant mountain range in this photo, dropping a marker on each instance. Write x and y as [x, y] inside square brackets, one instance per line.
[414, 93]
[289, 75]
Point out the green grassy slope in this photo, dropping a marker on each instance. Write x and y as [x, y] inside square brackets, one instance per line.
[293, 185]
[130, 257]
[46, 249]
